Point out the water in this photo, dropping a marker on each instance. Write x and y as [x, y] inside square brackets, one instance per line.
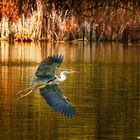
[105, 94]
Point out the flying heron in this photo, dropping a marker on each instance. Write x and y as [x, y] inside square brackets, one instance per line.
[47, 82]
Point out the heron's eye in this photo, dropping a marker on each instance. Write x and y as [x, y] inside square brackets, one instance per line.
[68, 70]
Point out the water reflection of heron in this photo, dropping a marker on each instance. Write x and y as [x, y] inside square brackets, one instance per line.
[47, 82]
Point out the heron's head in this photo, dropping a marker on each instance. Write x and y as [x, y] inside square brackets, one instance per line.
[67, 71]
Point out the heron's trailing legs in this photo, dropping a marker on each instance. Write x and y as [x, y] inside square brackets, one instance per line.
[21, 91]
[31, 89]
[22, 96]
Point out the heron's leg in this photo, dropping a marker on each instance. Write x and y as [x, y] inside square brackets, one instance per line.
[31, 90]
[25, 89]
[22, 96]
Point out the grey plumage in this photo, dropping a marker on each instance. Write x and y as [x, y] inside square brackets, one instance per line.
[52, 93]
[57, 101]
[48, 66]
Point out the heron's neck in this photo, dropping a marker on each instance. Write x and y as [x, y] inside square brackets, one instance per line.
[62, 77]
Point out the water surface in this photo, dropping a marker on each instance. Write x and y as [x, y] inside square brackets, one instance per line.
[105, 94]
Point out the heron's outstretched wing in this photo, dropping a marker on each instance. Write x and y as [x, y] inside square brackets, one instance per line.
[47, 66]
[57, 101]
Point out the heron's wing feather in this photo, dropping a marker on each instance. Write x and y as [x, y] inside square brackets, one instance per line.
[57, 101]
[45, 79]
[48, 66]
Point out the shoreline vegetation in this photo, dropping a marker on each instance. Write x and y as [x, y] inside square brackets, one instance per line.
[68, 20]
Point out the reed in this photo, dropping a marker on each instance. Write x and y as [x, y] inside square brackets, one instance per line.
[96, 22]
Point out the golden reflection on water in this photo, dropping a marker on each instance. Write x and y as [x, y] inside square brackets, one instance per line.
[105, 94]
[36, 52]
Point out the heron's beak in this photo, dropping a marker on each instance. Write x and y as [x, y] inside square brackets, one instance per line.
[75, 71]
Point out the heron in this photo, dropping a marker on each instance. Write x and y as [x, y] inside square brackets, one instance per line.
[47, 83]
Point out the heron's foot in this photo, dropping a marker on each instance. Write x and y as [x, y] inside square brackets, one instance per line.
[22, 96]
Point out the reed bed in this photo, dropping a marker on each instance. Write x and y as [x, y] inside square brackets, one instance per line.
[105, 23]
